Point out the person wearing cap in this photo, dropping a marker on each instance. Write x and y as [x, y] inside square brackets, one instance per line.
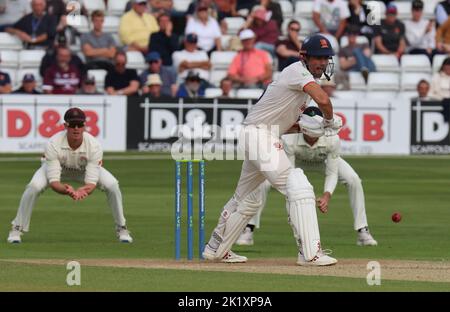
[191, 59]
[273, 9]
[136, 26]
[389, 37]
[121, 80]
[330, 16]
[71, 155]
[167, 76]
[98, 47]
[287, 49]
[62, 77]
[164, 41]
[37, 29]
[192, 87]
[207, 29]
[28, 85]
[5, 81]
[420, 33]
[153, 87]
[88, 86]
[354, 56]
[266, 30]
[251, 67]
[11, 11]
[276, 113]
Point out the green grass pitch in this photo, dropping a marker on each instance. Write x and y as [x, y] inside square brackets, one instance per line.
[61, 229]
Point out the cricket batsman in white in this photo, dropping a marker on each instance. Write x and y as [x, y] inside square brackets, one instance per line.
[277, 112]
[312, 151]
[71, 155]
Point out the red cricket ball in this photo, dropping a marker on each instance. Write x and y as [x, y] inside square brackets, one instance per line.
[396, 217]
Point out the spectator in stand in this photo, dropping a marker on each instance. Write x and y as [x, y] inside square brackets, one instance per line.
[275, 11]
[153, 87]
[226, 84]
[206, 28]
[165, 42]
[226, 8]
[359, 16]
[420, 32]
[167, 76]
[244, 7]
[330, 16]
[136, 26]
[443, 38]
[191, 59]
[266, 30]
[121, 80]
[440, 83]
[50, 57]
[62, 77]
[28, 85]
[212, 8]
[423, 89]
[288, 49]
[356, 57]
[88, 87]
[192, 87]
[159, 7]
[442, 12]
[11, 11]
[98, 47]
[251, 67]
[5, 82]
[56, 8]
[36, 29]
[390, 35]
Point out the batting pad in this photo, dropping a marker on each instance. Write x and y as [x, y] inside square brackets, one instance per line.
[233, 228]
[303, 217]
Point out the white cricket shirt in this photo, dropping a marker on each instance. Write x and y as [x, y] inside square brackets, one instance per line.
[61, 159]
[322, 156]
[283, 101]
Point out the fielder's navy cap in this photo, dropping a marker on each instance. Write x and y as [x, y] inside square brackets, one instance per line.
[74, 114]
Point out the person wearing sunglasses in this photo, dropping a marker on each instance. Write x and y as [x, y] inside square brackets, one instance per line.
[287, 49]
[71, 155]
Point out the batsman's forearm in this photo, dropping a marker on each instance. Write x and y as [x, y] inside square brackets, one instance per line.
[59, 188]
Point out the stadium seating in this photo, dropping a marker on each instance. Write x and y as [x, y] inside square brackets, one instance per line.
[181, 5]
[386, 63]
[359, 40]
[234, 24]
[9, 59]
[30, 58]
[9, 42]
[213, 92]
[83, 27]
[356, 81]
[381, 95]
[99, 75]
[438, 60]
[350, 95]
[304, 9]
[92, 5]
[403, 9]
[383, 82]
[415, 63]
[222, 59]
[116, 7]
[216, 76]
[111, 24]
[136, 60]
[287, 9]
[409, 80]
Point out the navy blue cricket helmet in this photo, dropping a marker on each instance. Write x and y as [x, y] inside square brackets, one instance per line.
[317, 45]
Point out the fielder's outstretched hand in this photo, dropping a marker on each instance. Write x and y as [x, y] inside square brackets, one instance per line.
[322, 202]
[70, 191]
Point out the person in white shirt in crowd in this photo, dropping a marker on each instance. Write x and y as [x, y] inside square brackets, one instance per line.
[71, 155]
[440, 82]
[442, 12]
[206, 28]
[191, 59]
[311, 153]
[330, 16]
[420, 32]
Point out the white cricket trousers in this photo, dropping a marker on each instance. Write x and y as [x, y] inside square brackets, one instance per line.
[348, 177]
[107, 183]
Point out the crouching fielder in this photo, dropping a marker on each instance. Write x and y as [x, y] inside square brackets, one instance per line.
[276, 112]
[313, 153]
[71, 155]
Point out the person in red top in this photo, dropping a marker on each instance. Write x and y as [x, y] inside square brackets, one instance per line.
[266, 30]
[251, 67]
[62, 77]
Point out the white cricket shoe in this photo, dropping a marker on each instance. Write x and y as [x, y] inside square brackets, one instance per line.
[321, 259]
[123, 234]
[246, 238]
[365, 238]
[14, 236]
[230, 257]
